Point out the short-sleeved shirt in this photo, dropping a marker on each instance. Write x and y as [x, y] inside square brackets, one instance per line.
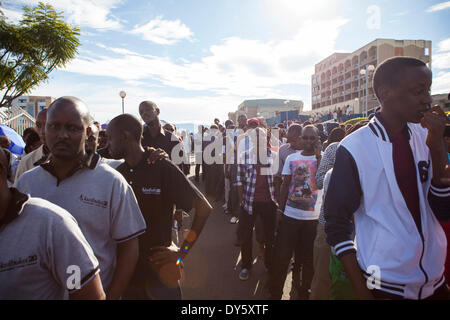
[158, 188]
[39, 251]
[101, 201]
[303, 191]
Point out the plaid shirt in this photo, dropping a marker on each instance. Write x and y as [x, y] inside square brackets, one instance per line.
[246, 176]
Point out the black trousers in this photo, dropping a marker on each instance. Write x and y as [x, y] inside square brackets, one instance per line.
[294, 236]
[266, 211]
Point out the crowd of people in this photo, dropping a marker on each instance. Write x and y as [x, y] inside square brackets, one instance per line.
[355, 211]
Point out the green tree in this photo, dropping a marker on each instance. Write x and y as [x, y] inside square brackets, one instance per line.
[41, 42]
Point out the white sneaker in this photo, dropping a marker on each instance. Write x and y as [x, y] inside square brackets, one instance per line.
[234, 220]
[244, 275]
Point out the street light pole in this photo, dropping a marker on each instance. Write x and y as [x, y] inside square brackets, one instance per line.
[122, 94]
[365, 72]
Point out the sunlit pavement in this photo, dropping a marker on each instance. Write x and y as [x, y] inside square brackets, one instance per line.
[212, 267]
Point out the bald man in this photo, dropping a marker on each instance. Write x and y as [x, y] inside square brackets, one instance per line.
[39, 155]
[95, 194]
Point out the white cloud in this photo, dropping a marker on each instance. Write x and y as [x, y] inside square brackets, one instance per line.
[231, 71]
[164, 32]
[441, 61]
[236, 66]
[12, 15]
[439, 7]
[86, 13]
[444, 45]
[441, 83]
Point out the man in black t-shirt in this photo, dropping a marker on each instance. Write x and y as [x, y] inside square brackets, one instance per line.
[154, 135]
[158, 188]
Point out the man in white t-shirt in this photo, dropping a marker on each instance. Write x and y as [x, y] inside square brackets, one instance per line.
[297, 229]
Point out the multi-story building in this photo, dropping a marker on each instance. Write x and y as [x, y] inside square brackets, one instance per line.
[32, 104]
[267, 108]
[338, 81]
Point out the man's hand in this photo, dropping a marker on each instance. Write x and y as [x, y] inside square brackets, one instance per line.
[434, 120]
[155, 154]
[164, 255]
[167, 263]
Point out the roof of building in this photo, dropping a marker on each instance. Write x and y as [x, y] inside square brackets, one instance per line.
[270, 103]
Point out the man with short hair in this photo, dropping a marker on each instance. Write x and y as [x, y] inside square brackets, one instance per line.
[387, 178]
[39, 155]
[292, 145]
[158, 188]
[40, 249]
[299, 220]
[96, 195]
[155, 135]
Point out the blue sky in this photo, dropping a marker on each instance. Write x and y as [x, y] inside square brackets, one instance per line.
[199, 60]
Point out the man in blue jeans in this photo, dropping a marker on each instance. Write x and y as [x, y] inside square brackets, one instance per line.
[298, 225]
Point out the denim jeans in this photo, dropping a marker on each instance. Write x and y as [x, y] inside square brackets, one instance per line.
[294, 236]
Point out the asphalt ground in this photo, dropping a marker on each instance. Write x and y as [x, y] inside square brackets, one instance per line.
[211, 269]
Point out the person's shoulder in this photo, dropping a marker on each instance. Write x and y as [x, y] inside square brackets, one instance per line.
[35, 154]
[293, 156]
[44, 212]
[32, 173]
[113, 163]
[105, 173]
[362, 135]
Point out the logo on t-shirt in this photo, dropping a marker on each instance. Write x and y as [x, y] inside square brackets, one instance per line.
[93, 201]
[154, 191]
[303, 190]
[18, 263]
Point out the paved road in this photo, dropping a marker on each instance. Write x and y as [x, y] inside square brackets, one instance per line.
[212, 267]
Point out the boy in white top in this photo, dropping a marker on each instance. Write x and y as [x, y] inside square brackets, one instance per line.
[298, 224]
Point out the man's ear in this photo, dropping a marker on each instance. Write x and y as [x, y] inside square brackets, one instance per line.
[384, 93]
[157, 111]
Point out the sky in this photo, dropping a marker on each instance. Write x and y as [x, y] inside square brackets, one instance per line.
[199, 59]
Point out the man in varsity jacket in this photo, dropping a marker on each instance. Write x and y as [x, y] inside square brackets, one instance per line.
[388, 189]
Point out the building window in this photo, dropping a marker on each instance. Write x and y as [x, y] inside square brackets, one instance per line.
[31, 109]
